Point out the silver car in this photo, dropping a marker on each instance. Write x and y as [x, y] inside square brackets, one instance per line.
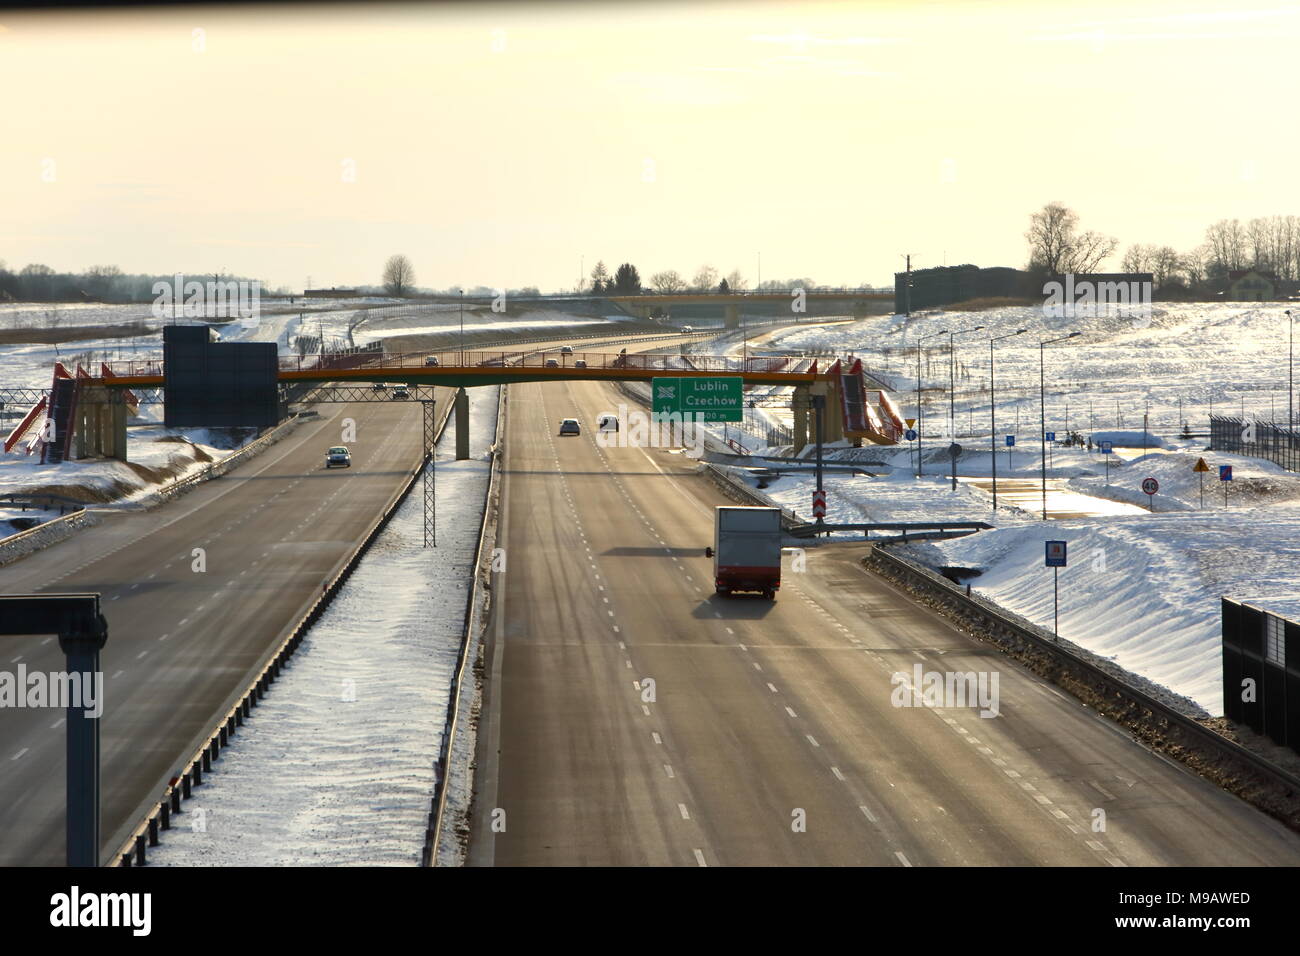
[338, 455]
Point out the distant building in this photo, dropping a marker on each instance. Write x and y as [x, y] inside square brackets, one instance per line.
[1250, 285]
[944, 285]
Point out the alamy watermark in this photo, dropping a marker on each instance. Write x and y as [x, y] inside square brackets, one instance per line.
[637, 429]
[1089, 298]
[56, 689]
[177, 298]
[924, 688]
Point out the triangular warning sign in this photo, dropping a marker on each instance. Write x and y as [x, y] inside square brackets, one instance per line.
[910, 422]
[1200, 465]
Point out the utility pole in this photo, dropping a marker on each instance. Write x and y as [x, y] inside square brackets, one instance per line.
[907, 288]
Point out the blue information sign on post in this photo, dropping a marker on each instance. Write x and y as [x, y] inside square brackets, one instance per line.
[910, 434]
[1011, 441]
[1051, 436]
[1055, 561]
[1105, 448]
[1225, 473]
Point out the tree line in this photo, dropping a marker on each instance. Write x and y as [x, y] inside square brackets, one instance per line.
[1269, 244]
[39, 283]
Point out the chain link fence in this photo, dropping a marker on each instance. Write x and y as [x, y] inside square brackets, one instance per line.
[1277, 443]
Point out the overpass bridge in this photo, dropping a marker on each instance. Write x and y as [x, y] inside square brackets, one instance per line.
[96, 407]
[643, 304]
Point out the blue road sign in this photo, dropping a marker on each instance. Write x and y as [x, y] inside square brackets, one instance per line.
[910, 434]
[1055, 554]
[1011, 441]
[1105, 448]
[1225, 473]
[1051, 436]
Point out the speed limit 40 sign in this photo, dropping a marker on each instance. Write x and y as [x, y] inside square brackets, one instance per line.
[1150, 486]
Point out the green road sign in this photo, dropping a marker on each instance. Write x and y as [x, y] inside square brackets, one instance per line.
[716, 399]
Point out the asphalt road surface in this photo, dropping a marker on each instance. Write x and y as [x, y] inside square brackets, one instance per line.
[770, 736]
[183, 643]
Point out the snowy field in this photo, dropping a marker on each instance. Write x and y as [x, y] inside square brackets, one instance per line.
[1141, 588]
[336, 766]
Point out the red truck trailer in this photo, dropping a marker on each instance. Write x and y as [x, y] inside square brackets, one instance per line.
[746, 550]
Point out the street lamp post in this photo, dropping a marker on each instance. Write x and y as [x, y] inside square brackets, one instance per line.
[993, 413]
[952, 380]
[462, 326]
[1042, 409]
[920, 461]
[1290, 379]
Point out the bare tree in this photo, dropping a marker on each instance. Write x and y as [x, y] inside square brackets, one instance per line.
[1166, 265]
[1137, 259]
[706, 277]
[667, 282]
[399, 275]
[1056, 247]
[736, 282]
[1227, 242]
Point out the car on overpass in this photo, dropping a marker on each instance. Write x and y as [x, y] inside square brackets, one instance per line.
[570, 426]
[566, 350]
[379, 386]
[431, 361]
[338, 455]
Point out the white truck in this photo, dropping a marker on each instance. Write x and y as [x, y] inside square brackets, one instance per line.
[746, 550]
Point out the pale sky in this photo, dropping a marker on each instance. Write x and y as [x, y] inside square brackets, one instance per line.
[500, 145]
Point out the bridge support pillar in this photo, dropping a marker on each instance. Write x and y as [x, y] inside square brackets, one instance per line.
[462, 424]
[833, 424]
[731, 314]
[800, 402]
[112, 426]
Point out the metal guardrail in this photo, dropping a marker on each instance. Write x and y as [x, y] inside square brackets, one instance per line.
[1115, 690]
[433, 835]
[145, 834]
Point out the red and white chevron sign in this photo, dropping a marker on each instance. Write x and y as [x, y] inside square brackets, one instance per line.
[819, 503]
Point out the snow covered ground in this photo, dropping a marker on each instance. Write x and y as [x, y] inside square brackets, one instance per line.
[336, 766]
[1141, 588]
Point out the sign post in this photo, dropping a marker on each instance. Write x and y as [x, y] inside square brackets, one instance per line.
[1225, 476]
[1051, 454]
[1149, 488]
[1055, 560]
[1201, 467]
[1105, 450]
[1011, 443]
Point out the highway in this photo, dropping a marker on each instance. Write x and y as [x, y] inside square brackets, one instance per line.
[770, 737]
[181, 643]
